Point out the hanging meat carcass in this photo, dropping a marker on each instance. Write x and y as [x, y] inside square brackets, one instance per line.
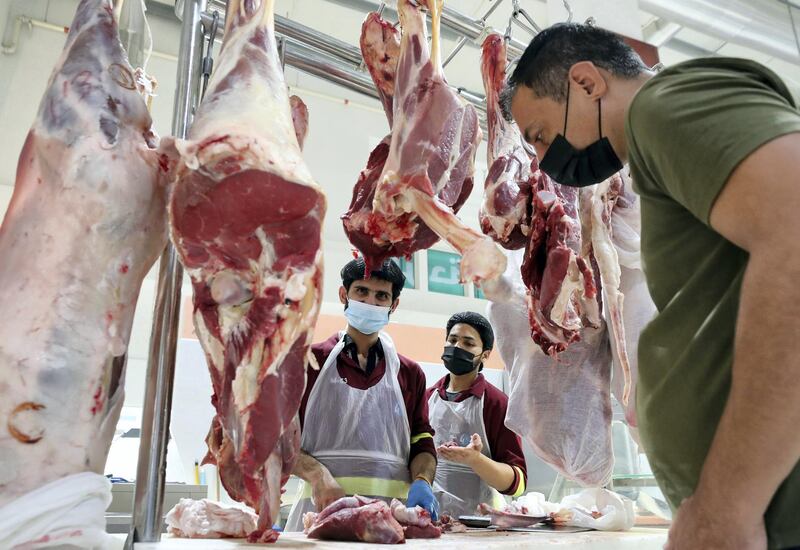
[85, 224]
[615, 224]
[380, 48]
[427, 172]
[505, 214]
[523, 207]
[246, 218]
[560, 388]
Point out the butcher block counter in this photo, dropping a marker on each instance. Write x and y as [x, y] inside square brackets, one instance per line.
[640, 538]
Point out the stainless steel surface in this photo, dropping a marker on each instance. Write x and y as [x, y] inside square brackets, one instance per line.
[314, 63]
[315, 39]
[345, 59]
[466, 26]
[327, 68]
[151, 468]
[119, 513]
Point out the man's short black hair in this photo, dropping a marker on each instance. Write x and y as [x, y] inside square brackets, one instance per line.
[354, 270]
[476, 321]
[545, 65]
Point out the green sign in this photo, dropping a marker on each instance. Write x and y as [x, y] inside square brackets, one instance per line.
[444, 273]
[407, 267]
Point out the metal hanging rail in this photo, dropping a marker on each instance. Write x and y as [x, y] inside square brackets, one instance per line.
[335, 60]
[148, 501]
[451, 19]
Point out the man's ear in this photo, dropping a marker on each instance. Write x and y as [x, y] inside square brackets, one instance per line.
[342, 295]
[485, 355]
[394, 305]
[588, 79]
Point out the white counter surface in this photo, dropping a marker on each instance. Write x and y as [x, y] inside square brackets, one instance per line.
[639, 538]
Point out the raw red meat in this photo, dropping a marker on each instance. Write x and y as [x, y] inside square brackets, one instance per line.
[380, 47]
[299, 119]
[562, 290]
[416, 521]
[355, 519]
[427, 172]
[246, 219]
[505, 214]
[85, 224]
[449, 525]
[364, 519]
[523, 207]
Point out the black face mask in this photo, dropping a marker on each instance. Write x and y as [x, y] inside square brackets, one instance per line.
[579, 168]
[458, 361]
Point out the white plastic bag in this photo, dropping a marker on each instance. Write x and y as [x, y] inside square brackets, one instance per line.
[593, 508]
[68, 513]
[616, 512]
[560, 406]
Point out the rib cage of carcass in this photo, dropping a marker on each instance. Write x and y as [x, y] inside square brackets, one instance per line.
[568, 257]
[246, 218]
[422, 173]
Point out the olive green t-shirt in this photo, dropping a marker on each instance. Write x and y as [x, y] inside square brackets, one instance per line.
[687, 129]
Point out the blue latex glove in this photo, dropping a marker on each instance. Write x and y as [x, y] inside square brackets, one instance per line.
[421, 494]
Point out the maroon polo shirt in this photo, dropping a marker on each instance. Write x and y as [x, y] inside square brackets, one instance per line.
[504, 444]
[410, 377]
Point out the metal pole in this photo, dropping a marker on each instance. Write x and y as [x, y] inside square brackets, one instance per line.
[149, 493]
[316, 64]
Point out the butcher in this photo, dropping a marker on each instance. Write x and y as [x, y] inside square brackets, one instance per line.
[479, 458]
[713, 147]
[364, 416]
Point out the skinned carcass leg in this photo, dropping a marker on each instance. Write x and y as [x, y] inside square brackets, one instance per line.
[246, 218]
[85, 224]
[506, 210]
[522, 207]
[428, 171]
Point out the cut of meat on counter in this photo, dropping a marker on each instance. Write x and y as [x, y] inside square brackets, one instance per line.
[426, 168]
[246, 219]
[204, 519]
[362, 519]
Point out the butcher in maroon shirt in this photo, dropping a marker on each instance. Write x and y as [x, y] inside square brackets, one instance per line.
[478, 456]
[364, 414]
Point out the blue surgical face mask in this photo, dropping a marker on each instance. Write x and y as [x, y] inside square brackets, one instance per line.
[366, 318]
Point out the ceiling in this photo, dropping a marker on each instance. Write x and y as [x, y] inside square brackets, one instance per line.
[677, 42]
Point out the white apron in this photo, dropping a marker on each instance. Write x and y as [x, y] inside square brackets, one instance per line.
[457, 487]
[361, 436]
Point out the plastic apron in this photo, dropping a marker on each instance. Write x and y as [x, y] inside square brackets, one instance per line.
[361, 436]
[457, 487]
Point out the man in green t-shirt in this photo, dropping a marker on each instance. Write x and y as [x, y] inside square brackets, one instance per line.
[713, 147]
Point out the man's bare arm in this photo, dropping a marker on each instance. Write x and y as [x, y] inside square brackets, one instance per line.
[324, 488]
[756, 445]
[424, 465]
